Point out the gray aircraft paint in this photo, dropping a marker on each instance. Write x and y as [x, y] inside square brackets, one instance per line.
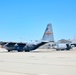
[47, 37]
[48, 34]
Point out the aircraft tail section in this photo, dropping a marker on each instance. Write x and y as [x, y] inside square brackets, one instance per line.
[48, 34]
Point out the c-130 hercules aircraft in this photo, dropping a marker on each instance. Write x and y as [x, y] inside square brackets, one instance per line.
[20, 47]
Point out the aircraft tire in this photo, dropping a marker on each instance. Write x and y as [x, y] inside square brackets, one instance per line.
[67, 49]
[19, 50]
[9, 50]
[27, 51]
[62, 49]
[57, 50]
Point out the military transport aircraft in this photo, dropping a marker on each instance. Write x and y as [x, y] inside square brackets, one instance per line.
[62, 46]
[20, 47]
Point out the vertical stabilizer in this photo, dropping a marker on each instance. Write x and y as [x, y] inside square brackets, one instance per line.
[48, 34]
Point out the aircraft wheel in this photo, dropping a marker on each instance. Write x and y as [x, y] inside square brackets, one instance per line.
[67, 49]
[9, 50]
[62, 49]
[19, 50]
[27, 51]
[57, 50]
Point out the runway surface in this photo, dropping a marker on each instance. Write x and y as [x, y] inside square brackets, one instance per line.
[39, 62]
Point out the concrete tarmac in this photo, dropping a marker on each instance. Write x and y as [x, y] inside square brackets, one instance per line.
[38, 62]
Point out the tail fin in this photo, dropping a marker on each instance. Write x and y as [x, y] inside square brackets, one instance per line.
[48, 34]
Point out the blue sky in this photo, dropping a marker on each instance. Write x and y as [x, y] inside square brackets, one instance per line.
[25, 20]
